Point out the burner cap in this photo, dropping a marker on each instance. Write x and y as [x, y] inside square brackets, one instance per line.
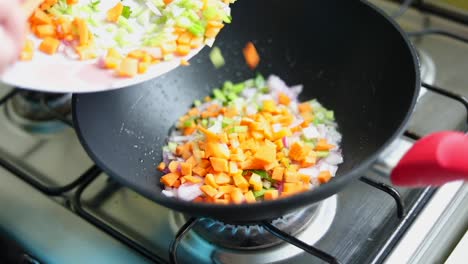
[253, 236]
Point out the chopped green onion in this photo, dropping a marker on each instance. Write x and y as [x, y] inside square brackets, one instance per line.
[196, 29]
[238, 88]
[216, 57]
[189, 123]
[197, 103]
[126, 12]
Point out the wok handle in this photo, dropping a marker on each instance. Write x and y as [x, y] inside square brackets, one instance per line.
[434, 160]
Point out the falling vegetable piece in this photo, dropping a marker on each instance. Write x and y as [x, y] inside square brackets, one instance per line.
[251, 55]
[216, 57]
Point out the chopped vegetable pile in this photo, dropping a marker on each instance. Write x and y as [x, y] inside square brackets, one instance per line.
[126, 36]
[250, 141]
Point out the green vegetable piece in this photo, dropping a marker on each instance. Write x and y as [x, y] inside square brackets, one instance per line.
[197, 103]
[219, 95]
[189, 123]
[94, 5]
[227, 86]
[240, 129]
[210, 13]
[260, 193]
[259, 81]
[238, 88]
[172, 146]
[197, 29]
[126, 12]
[322, 154]
[204, 122]
[217, 58]
[227, 121]
[330, 115]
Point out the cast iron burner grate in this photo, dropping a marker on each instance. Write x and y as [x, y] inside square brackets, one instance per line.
[253, 236]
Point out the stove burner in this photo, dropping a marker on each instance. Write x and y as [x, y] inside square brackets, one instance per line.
[251, 237]
[317, 221]
[38, 112]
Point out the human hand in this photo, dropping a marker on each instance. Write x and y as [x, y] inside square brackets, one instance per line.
[12, 30]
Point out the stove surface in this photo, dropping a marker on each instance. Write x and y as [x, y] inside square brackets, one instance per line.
[358, 225]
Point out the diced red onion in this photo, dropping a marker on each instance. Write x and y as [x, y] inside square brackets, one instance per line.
[334, 158]
[101, 63]
[310, 132]
[285, 142]
[313, 172]
[169, 192]
[189, 192]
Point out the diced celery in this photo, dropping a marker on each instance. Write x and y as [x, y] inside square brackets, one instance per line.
[330, 115]
[219, 95]
[240, 129]
[231, 96]
[227, 86]
[238, 88]
[210, 13]
[259, 81]
[204, 122]
[260, 193]
[196, 29]
[322, 154]
[197, 103]
[216, 57]
[172, 146]
[168, 57]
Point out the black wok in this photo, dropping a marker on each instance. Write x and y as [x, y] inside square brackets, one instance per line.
[347, 54]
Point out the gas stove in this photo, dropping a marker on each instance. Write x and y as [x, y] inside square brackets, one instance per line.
[59, 207]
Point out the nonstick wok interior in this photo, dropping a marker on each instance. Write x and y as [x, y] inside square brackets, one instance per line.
[345, 53]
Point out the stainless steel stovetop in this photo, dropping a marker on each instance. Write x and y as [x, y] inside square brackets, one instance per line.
[94, 220]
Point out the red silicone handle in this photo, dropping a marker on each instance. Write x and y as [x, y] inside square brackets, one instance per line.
[434, 160]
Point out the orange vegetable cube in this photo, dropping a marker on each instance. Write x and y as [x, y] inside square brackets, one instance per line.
[114, 13]
[185, 39]
[173, 166]
[192, 161]
[219, 164]
[186, 168]
[72, 2]
[112, 52]
[233, 168]
[111, 62]
[240, 181]
[128, 67]
[249, 197]
[49, 45]
[39, 17]
[136, 54]
[83, 31]
[215, 24]
[184, 62]
[270, 194]
[277, 174]
[291, 176]
[284, 99]
[211, 32]
[208, 190]
[251, 55]
[256, 182]
[183, 50]
[304, 107]
[86, 52]
[169, 47]
[27, 52]
[298, 151]
[226, 188]
[222, 178]
[322, 145]
[169, 179]
[236, 196]
[143, 67]
[205, 163]
[161, 166]
[304, 178]
[218, 150]
[210, 180]
[196, 42]
[324, 176]
[200, 171]
[221, 201]
[266, 154]
[192, 179]
[269, 105]
[43, 31]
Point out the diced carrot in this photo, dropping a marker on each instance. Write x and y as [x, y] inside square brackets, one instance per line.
[198, 170]
[177, 183]
[226, 188]
[205, 163]
[291, 176]
[266, 154]
[72, 2]
[128, 67]
[290, 187]
[269, 105]
[169, 47]
[167, 1]
[143, 67]
[284, 99]
[86, 52]
[196, 42]
[251, 55]
[184, 62]
[162, 166]
[222, 178]
[215, 24]
[277, 174]
[256, 182]
[270, 194]
[324, 176]
[39, 17]
[192, 179]
[299, 151]
[49, 45]
[186, 169]
[322, 145]
[111, 63]
[240, 181]
[218, 150]
[210, 180]
[182, 50]
[208, 190]
[27, 52]
[249, 197]
[221, 201]
[236, 196]
[173, 166]
[112, 52]
[114, 13]
[43, 31]
[83, 31]
[219, 164]
[304, 178]
[192, 161]
[304, 107]
[212, 32]
[136, 54]
[184, 39]
[198, 199]
[310, 159]
[210, 136]
[169, 179]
